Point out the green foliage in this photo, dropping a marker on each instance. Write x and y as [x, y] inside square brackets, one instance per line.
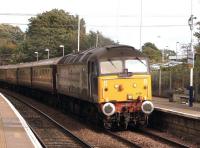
[152, 52]
[169, 53]
[92, 37]
[47, 30]
[10, 38]
[11, 33]
[51, 29]
[197, 49]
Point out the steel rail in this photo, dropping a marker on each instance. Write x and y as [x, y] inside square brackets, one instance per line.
[62, 128]
[121, 139]
[163, 139]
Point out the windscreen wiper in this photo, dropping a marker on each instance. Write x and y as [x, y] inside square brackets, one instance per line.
[112, 63]
[140, 61]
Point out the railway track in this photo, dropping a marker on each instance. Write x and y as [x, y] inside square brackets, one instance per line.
[82, 143]
[142, 136]
[163, 139]
[124, 140]
[49, 132]
[112, 137]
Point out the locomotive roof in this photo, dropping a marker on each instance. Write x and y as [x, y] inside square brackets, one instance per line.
[101, 53]
[52, 61]
[106, 52]
[8, 66]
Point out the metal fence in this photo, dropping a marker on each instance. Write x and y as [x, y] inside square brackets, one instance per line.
[169, 80]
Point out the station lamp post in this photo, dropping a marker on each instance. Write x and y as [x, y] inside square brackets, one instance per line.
[97, 39]
[47, 52]
[36, 55]
[163, 54]
[79, 28]
[176, 49]
[191, 59]
[63, 48]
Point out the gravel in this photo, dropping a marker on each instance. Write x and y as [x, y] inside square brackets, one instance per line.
[93, 136]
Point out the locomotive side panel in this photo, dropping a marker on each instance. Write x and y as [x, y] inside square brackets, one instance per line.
[24, 76]
[42, 78]
[72, 80]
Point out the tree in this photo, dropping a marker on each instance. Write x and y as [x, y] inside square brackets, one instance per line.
[51, 29]
[92, 37]
[152, 52]
[10, 38]
[197, 49]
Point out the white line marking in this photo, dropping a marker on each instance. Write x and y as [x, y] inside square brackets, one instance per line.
[24, 124]
[179, 113]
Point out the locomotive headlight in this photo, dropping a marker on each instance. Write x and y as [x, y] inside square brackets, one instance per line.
[147, 107]
[129, 96]
[108, 109]
[119, 87]
[116, 86]
[134, 85]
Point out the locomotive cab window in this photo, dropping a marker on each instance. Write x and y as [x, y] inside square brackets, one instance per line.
[111, 66]
[136, 66]
[117, 66]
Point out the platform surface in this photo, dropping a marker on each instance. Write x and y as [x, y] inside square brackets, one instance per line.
[177, 108]
[14, 131]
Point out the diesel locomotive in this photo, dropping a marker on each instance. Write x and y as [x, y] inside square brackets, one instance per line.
[110, 84]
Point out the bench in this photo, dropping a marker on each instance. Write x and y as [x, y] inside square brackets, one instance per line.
[184, 98]
[181, 97]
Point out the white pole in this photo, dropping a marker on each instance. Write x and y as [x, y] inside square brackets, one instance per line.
[191, 70]
[47, 53]
[97, 38]
[63, 51]
[140, 25]
[176, 49]
[170, 80]
[63, 48]
[36, 55]
[191, 23]
[160, 82]
[163, 55]
[78, 34]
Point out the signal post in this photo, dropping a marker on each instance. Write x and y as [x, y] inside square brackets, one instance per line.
[191, 60]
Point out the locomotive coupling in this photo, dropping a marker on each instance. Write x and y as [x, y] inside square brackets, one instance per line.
[147, 107]
[108, 109]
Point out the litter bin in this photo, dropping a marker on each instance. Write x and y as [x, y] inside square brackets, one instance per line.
[170, 96]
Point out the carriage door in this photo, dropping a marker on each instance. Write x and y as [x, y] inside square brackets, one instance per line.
[93, 79]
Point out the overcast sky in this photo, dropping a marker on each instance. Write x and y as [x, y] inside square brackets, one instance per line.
[164, 22]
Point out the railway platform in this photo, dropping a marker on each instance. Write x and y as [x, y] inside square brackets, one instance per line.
[177, 108]
[14, 132]
[177, 118]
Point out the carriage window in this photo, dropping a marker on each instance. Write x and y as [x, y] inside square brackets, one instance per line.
[111, 66]
[136, 66]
